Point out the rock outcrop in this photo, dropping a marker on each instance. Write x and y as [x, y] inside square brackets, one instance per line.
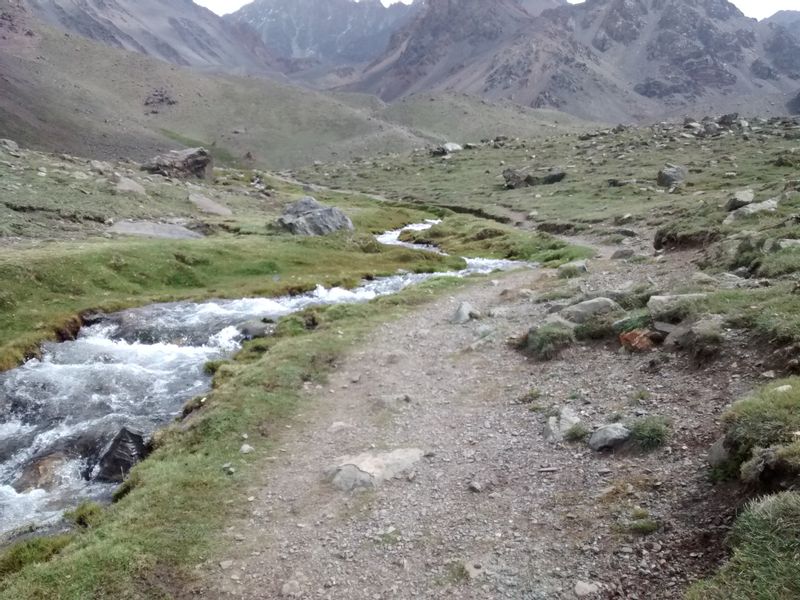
[126, 449]
[182, 164]
[309, 217]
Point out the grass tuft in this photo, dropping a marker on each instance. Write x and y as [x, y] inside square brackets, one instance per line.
[546, 342]
[650, 433]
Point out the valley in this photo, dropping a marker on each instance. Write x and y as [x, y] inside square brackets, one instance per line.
[452, 300]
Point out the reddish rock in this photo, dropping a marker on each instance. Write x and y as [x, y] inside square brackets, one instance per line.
[638, 340]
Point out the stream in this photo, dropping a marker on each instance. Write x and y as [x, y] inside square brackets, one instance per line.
[135, 369]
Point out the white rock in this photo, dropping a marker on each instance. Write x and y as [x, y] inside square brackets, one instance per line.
[583, 589]
[129, 186]
[247, 449]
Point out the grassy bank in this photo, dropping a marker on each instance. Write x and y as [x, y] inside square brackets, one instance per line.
[45, 288]
[174, 505]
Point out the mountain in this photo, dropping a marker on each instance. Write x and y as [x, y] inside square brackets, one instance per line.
[790, 19]
[329, 32]
[177, 31]
[602, 59]
[65, 93]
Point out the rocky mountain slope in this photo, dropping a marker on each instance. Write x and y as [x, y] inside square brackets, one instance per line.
[69, 94]
[603, 59]
[179, 31]
[333, 32]
[787, 18]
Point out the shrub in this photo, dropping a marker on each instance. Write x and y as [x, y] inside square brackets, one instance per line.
[576, 433]
[547, 342]
[596, 328]
[650, 433]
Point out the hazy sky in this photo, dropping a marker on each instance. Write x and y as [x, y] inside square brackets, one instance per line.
[753, 8]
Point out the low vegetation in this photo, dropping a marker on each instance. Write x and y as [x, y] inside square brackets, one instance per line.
[547, 342]
[765, 544]
[650, 433]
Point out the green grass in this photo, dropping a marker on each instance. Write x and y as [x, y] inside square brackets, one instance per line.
[47, 287]
[31, 552]
[649, 433]
[161, 523]
[769, 420]
[577, 433]
[766, 545]
[471, 236]
[546, 342]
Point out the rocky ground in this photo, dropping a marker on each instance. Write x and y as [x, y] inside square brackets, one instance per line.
[425, 468]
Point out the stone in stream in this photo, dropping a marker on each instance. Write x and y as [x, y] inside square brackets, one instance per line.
[309, 217]
[256, 329]
[366, 471]
[41, 474]
[125, 450]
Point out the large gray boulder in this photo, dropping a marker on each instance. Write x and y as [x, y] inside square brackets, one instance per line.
[182, 164]
[309, 217]
[609, 437]
[672, 175]
[669, 307]
[584, 311]
[768, 206]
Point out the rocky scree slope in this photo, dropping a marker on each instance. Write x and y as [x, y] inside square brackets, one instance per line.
[179, 32]
[603, 59]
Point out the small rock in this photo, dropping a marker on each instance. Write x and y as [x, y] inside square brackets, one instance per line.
[9, 145]
[246, 449]
[672, 175]
[609, 437]
[583, 589]
[465, 313]
[740, 199]
[583, 311]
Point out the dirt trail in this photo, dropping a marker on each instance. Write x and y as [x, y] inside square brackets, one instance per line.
[493, 509]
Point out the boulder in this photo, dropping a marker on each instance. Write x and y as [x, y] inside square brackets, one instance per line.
[609, 437]
[182, 164]
[672, 175]
[101, 167]
[129, 186]
[256, 329]
[366, 470]
[9, 145]
[637, 340]
[740, 199]
[309, 217]
[516, 178]
[465, 313]
[749, 210]
[125, 450]
[583, 311]
[450, 147]
[666, 307]
[576, 266]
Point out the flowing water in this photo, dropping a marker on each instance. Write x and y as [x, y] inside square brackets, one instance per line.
[134, 369]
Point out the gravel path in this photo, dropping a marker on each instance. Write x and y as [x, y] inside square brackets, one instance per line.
[491, 509]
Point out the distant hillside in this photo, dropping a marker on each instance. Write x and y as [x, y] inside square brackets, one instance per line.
[68, 94]
[178, 31]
